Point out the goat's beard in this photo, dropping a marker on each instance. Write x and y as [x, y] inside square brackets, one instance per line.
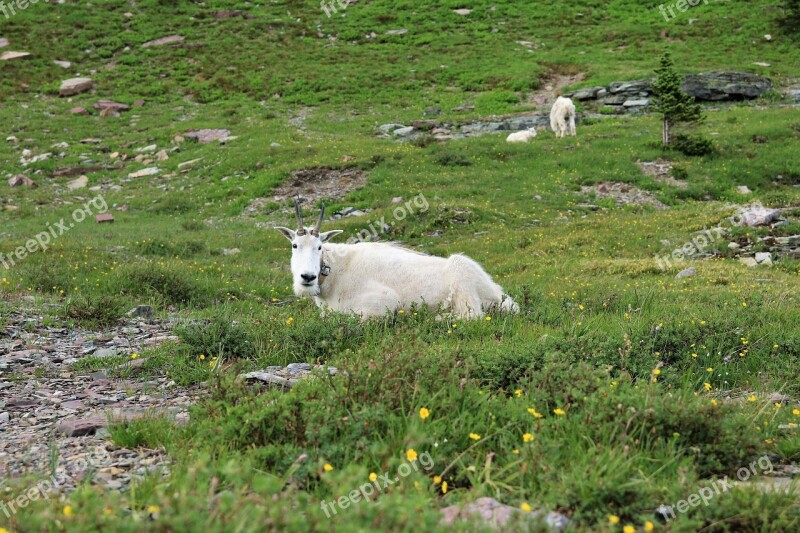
[306, 290]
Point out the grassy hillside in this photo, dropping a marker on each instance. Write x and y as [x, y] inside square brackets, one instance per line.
[617, 389]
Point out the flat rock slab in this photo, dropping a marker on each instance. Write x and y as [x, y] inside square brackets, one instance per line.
[758, 216]
[285, 377]
[151, 171]
[496, 515]
[169, 39]
[209, 135]
[103, 105]
[8, 56]
[3, 42]
[74, 86]
[20, 180]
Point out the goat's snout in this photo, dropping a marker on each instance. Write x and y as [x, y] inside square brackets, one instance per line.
[308, 278]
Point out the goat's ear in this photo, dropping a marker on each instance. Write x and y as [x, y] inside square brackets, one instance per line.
[324, 237]
[288, 233]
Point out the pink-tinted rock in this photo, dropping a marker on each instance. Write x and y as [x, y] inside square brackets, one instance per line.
[103, 105]
[74, 86]
[105, 217]
[79, 111]
[19, 180]
[8, 56]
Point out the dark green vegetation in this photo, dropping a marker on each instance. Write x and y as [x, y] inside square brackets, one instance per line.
[663, 383]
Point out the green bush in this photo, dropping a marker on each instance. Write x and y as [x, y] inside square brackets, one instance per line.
[692, 145]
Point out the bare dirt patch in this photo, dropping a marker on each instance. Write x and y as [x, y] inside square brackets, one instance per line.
[623, 194]
[661, 170]
[312, 184]
[317, 183]
[551, 88]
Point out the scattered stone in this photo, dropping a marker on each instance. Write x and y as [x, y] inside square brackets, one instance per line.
[763, 258]
[313, 184]
[79, 111]
[139, 103]
[733, 246]
[462, 11]
[686, 273]
[189, 163]
[761, 64]
[285, 377]
[105, 217]
[758, 216]
[150, 171]
[404, 132]
[3, 42]
[496, 515]
[206, 136]
[718, 86]
[141, 311]
[230, 251]
[149, 148]
[389, 128]
[640, 102]
[63, 64]
[397, 200]
[432, 111]
[623, 193]
[20, 180]
[78, 428]
[110, 105]
[75, 86]
[767, 37]
[78, 183]
[162, 155]
[748, 261]
[4, 418]
[8, 56]
[743, 189]
[401, 31]
[169, 39]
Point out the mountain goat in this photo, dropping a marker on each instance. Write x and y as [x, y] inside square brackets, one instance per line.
[523, 136]
[562, 117]
[371, 279]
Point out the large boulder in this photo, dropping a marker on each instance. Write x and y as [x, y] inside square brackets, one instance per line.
[716, 86]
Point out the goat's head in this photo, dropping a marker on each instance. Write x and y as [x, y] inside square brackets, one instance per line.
[307, 253]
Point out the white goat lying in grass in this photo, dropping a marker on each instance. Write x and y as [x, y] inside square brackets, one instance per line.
[523, 136]
[562, 117]
[371, 279]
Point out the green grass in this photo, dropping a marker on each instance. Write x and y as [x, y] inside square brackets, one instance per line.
[598, 314]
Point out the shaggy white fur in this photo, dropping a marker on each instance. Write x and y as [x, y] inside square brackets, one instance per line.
[371, 279]
[524, 136]
[562, 117]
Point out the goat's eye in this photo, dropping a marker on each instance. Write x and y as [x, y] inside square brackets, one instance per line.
[320, 248]
[294, 246]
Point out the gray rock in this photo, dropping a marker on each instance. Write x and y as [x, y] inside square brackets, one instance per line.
[78, 183]
[686, 273]
[294, 368]
[20, 180]
[495, 515]
[638, 102]
[4, 418]
[757, 216]
[733, 246]
[718, 86]
[388, 128]
[63, 64]
[102, 353]
[763, 258]
[404, 132]
[432, 111]
[141, 311]
[589, 93]
[748, 261]
[74, 86]
[3, 42]
[630, 88]
[743, 189]
[483, 127]
[401, 31]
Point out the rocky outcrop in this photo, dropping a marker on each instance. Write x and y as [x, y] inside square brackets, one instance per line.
[706, 87]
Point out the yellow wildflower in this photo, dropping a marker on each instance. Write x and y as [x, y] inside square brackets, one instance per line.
[424, 413]
[67, 511]
[559, 412]
[153, 509]
[474, 436]
[707, 386]
[649, 526]
[751, 398]
[444, 487]
[411, 455]
[613, 519]
[656, 371]
[796, 412]
[525, 507]
[437, 479]
[629, 529]
[518, 393]
[535, 414]
[327, 467]
[373, 476]
[527, 437]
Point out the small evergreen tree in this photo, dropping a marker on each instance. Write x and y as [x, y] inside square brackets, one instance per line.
[674, 105]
